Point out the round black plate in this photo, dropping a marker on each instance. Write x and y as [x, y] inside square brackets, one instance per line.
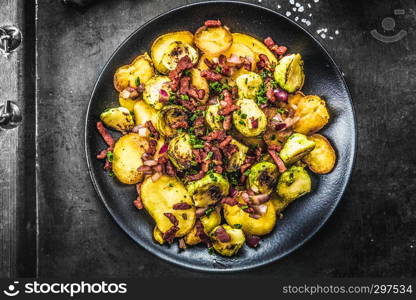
[306, 215]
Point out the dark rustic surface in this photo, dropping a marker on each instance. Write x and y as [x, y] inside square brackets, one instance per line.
[372, 232]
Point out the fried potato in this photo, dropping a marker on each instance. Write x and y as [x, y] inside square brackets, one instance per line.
[127, 157]
[143, 112]
[118, 118]
[139, 71]
[322, 158]
[162, 43]
[235, 216]
[295, 98]
[213, 40]
[200, 82]
[159, 197]
[255, 46]
[158, 235]
[312, 114]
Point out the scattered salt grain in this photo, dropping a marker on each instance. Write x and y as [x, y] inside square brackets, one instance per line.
[297, 4]
[337, 32]
[296, 18]
[323, 35]
[288, 13]
[278, 6]
[292, 2]
[294, 8]
[309, 5]
[301, 9]
[316, 1]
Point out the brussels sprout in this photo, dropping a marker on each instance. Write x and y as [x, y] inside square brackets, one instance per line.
[212, 117]
[296, 146]
[208, 222]
[209, 189]
[249, 120]
[180, 151]
[168, 116]
[293, 183]
[174, 52]
[236, 160]
[152, 90]
[230, 248]
[118, 118]
[289, 73]
[262, 177]
[248, 85]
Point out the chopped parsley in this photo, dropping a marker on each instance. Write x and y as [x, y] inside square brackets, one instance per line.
[243, 116]
[110, 156]
[246, 173]
[217, 87]
[209, 211]
[241, 122]
[213, 177]
[281, 110]
[261, 95]
[238, 226]
[211, 250]
[137, 81]
[265, 74]
[186, 73]
[111, 174]
[244, 207]
[184, 97]
[218, 69]
[209, 155]
[195, 142]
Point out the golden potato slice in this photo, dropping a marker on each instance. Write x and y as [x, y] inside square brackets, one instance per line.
[312, 114]
[294, 99]
[127, 103]
[158, 235]
[235, 216]
[322, 158]
[139, 71]
[255, 45]
[213, 40]
[161, 44]
[143, 112]
[127, 157]
[200, 82]
[159, 197]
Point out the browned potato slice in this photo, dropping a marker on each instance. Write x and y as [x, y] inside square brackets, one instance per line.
[213, 40]
[200, 82]
[322, 158]
[162, 43]
[127, 157]
[295, 98]
[159, 197]
[255, 45]
[139, 71]
[201, 64]
[143, 112]
[312, 114]
[158, 235]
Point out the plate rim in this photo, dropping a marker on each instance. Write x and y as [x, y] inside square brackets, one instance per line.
[178, 261]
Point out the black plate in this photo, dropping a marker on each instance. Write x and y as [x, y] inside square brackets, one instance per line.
[305, 216]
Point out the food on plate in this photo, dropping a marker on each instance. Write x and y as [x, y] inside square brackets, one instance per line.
[216, 136]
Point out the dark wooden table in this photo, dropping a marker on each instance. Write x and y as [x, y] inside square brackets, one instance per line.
[372, 232]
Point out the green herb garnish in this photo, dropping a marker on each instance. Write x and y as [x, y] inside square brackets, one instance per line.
[110, 156]
[209, 211]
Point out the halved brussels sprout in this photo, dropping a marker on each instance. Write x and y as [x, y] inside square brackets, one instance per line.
[237, 159]
[212, 117]
[312, 113]
[236, 217]
[209, 189]
[152, 90]
[248, 85]
[293, 183]
[213, 40]
[262, 177]
[255, 45]
[230, 248]
[208, 222]
[249, 120]
[168, 116]
[296, 146]
[322, 158]
[174, 52]
[127, 157]
[180, 152]
[289, 73]
[139, 71]
[160, 196]
[118, 118]
[143, 112]
[160, 45]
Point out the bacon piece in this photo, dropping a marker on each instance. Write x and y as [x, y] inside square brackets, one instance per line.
[129, 92]
[278, 161]
[138, 202]
[222, 235]
[217, 156]
[275, 147]
[212, 23]
[181, 206]
[175, 75]
[180, 124]
[107, 165]
[152, 129]
[235, 61]
[199, 212]
[197, 176]
[201, 233]
[215, 135]
[209, 63]
[269, 42]
[229, 201]
[199, 122]
[170, 171]
[228, 110]
[229, 150]
[226, 141]
[181, 244]
[227, 122]
[246, 62]
[108, 139]
[172, 218]
[152, 146]
[184, 85]
[169, 235]
[270, 92]
[264, 62]
[218, 169]
[211, 75]
[252, 240]
[140, 88]
[244, 167]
